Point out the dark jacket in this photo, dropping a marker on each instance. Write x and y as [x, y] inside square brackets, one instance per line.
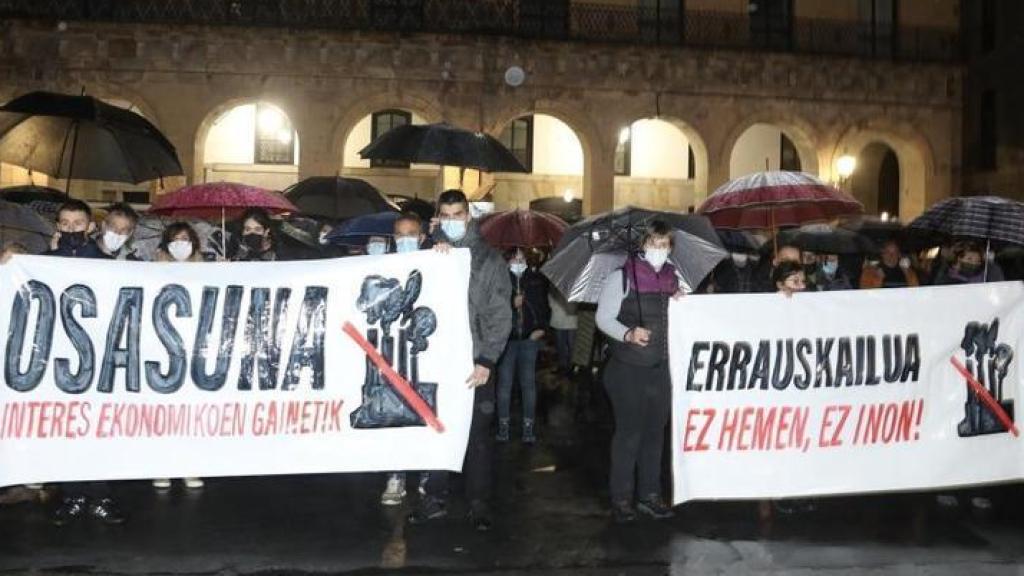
[87, 250]
[490, 316]
[536, 312]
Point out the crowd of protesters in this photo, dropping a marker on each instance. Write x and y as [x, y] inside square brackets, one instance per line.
[513, 313]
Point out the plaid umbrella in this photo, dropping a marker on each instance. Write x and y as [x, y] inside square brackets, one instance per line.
[769, 200]
[987, 218]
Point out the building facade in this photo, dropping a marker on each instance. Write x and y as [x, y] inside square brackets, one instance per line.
[647, 103]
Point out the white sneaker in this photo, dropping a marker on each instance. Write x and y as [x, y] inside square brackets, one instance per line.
[162, 483]
[981, 503]
[947, 501]
[194, 483]
[34, 486]
[394, 492]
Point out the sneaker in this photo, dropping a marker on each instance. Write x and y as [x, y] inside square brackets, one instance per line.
[479, 516]
[394, 491]
[162, 483]
[529, 434]
[623, 511]
[194, 483]
[431, 508]
[654, 507]
[107, 511]
[981, 503]
[503, 430]
[947, 501]
[70, 509]
[424, 478]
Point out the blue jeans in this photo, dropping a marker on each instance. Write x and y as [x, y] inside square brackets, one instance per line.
[563, 343]
[520, 357]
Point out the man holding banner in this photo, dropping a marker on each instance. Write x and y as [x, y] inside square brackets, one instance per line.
[490, 319]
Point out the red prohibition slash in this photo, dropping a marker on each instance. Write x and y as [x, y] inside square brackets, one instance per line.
[986, 398]
[401, 385]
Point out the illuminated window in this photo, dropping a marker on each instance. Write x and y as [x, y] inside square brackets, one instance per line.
[518, 138]
[771, 23]
[275, 136]
[381, 123]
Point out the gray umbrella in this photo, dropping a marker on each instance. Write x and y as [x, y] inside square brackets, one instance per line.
[580, 268]
[23, 225]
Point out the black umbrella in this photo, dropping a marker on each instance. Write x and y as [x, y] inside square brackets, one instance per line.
[444, 145]
[739, 241]
[337, 198]
[19, 223]
[43, 199]
[571, 211]
[81, 137]
[422, 208]
[985, 218]
[824, 239]
[594, 248]
[882, 231]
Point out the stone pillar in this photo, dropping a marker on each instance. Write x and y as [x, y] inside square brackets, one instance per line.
[598, 183]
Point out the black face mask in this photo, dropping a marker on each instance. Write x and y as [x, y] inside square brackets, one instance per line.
[71, 240]
[253, 242]
[969, 269]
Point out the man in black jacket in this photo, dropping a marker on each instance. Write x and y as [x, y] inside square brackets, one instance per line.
[74, 224]
[490, 320]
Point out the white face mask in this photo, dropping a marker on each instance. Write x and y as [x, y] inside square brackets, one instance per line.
[656, 257]
[517, 268]
[405, 244]
[376, 248]
[905, 263]
[180, 250]
[113, 241]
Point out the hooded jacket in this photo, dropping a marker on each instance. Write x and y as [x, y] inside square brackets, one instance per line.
[490, 291]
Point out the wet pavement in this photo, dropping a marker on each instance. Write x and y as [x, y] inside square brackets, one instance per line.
[550, 519]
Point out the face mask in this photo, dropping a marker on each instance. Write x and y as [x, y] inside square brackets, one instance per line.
[904, 262]
[180, 250]
[453, 229]
[656, 257]
[113, 241]
[323, 238]
[968, 269]
[253, 241]
[830, 268]
[376, 248]
[405, 244]
[517, 268]
[739, 259]
[71, 240]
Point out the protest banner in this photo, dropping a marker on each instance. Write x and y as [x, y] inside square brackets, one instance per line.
[845, 392]
[122, 370]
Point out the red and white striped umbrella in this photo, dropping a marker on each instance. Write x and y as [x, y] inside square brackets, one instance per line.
[768, 200]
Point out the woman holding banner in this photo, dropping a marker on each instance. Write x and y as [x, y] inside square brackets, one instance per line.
[633, 312]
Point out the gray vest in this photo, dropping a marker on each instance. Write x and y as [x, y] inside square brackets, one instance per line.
[654, 307]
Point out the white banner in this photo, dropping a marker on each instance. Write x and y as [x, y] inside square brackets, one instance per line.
[846, 392]
[122, 370]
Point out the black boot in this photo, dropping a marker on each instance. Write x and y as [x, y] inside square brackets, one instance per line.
[71, 508]
[430, 508]
[654, 507]
[623, 511]
[479, 515]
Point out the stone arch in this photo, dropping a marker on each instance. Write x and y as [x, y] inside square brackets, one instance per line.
[801, 133]
[364, 106]
[586, 132]
[913, 152]
[701, 156]
[203, 131]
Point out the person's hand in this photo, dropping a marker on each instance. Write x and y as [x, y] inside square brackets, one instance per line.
[536, 335]
[639, 336]
[442, 247]
[434, 223]
[479, 376]
[518, 301]
[54, 240]
[680, 293]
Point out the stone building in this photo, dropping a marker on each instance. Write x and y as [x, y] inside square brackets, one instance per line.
[627, 102]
